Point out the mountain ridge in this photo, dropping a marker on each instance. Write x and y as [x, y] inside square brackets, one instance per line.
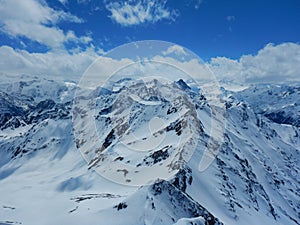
[255, 176]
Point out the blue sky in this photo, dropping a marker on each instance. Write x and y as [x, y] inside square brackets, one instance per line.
[213, 29]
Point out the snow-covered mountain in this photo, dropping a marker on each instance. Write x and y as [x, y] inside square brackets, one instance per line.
[44, 179]
[279, 103]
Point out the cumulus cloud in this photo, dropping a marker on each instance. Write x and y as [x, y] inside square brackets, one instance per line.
[273, 63]
[53, 63]
[175, 49]
[129, 13]
[36, 21]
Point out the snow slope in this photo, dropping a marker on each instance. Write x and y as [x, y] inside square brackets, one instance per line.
[44, 179]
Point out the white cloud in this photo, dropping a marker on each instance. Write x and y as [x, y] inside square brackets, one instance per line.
[129, 13]
[175, 49]
[230, 18]
[35, 20]
[194, 68]
[53, 63]
[198, 3]
[64, 2]
[273, 63]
